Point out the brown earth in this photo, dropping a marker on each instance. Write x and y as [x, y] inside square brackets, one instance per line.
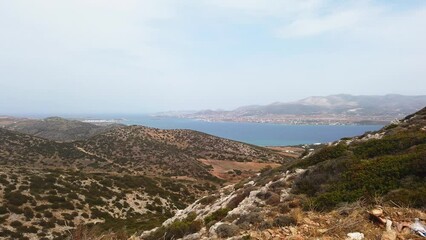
[225, 169]
[293, 152]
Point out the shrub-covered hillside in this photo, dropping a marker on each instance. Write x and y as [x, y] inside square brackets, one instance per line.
[389, 163]
[128, 179]
[325, 195]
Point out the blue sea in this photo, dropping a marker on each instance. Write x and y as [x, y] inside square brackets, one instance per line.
[262, 134]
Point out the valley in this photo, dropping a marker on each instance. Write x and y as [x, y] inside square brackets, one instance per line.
[125, 179]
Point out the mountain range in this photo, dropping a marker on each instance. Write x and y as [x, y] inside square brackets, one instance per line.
[333, 109]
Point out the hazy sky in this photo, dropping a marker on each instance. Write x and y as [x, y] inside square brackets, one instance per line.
[136, 56]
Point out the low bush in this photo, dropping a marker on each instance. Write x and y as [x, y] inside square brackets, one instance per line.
[284, 220]
[14, 209]
[326, 153]
[246, 220]
[177, 229]
[28, 213]
[209, 199]
[227, 230]
[16, 198]
[216, 216]
[3, 210]
[16, 224]
[239, 197]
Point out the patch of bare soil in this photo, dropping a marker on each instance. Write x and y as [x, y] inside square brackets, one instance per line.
[233, 171]
[293, 152]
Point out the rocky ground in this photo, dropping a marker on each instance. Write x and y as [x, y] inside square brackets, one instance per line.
[265, 208]
[366, 187]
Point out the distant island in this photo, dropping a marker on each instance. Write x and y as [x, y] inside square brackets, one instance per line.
[341, 109]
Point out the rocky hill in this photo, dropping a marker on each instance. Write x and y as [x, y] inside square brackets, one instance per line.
[127, 179]
[367, 187]
[56, 128]
[171, 152]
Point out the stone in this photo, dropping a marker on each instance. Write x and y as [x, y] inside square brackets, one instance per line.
[266, 235]
[355, 236]
[293, 230]
[377, 212]
[309, 221]
[296, 237]
[389, 234]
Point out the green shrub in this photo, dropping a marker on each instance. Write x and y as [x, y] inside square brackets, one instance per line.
[393, 166]
[68, 216]
[249, 219]
[177, 229]
[216, 216]
[28, 213]
[16, 224]
[227, 230]
[15, 209]
[208, 199]
[16, 198]
[377, 176]
[48, 214]
[408, 197]
[389, 144]
[55, 199]
[3, 210]
[325, 153]
[284, 220]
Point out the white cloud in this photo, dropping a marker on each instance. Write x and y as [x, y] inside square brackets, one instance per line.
[133, 55]
[318, 25]
[265, 8]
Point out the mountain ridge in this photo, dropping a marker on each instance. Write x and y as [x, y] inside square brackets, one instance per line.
[332, 109]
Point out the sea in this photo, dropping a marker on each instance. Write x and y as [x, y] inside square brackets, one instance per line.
[262, 134]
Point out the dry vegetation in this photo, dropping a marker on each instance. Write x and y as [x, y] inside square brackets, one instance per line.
[110, 186]
[232, 171]
[332, 197]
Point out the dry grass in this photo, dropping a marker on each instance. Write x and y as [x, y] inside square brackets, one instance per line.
[354, 217]
[94, 233]
[297, 215]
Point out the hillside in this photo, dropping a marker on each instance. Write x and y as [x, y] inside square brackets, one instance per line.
[333, 109]
[56, 128]
[17, 149]
[127, 179]
[390, 162]
[324, 195]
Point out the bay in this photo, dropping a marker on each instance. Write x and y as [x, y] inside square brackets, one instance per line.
[262, 134]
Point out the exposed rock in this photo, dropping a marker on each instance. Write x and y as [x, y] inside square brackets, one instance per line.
[389, 234]
[355, 236]
[378, 212]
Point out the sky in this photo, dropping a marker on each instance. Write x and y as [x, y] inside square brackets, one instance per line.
[139, 56]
